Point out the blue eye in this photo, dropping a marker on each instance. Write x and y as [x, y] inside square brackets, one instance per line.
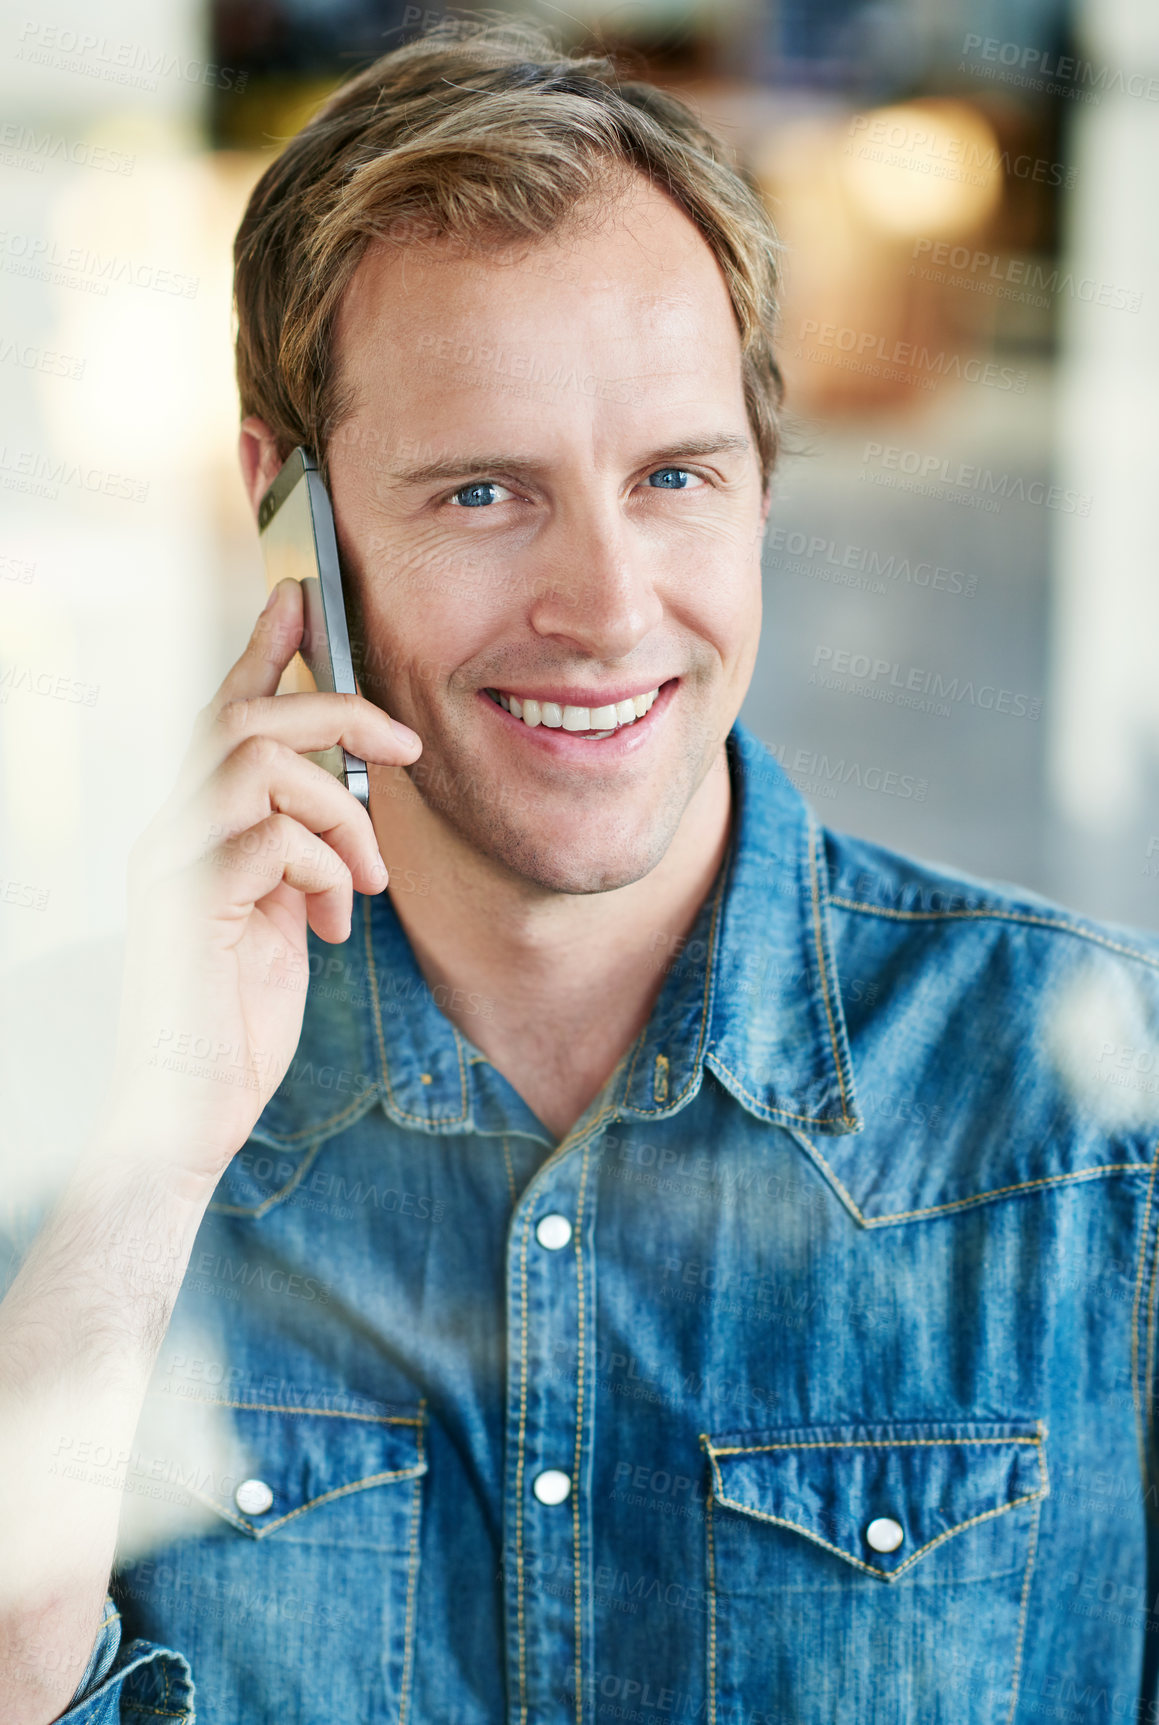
[672, 479]
[479, 494]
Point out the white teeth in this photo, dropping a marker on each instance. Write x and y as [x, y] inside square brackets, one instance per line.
[598, 721]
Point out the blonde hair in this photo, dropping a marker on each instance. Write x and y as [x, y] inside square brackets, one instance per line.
[491, 134]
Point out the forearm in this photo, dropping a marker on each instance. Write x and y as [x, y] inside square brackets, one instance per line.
[80, 1329]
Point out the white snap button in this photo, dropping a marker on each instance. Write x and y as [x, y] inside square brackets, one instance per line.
[253, 1497]
[884, 1534]
[551, 1486]
[553, 1231]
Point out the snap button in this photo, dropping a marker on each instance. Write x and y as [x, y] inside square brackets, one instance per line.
[884, 1534]
[253, 1497]
[552, 1232]
[551, 1486]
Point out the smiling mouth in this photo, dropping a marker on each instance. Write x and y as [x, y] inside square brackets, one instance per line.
[592, 723]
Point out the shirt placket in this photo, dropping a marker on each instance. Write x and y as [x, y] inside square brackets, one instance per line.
[547, 1487]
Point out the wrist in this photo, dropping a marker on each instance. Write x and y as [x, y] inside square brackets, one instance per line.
[140, 1194]
[140, 1144]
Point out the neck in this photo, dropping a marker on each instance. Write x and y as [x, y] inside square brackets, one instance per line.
[552, 987]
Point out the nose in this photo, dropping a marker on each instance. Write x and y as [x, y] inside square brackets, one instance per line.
[598, 590]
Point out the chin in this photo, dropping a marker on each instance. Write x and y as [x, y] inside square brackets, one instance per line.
[557, 876]
[591, 866]
[577, 859]
[586, 841]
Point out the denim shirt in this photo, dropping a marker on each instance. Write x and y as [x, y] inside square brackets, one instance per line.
[808, 1378]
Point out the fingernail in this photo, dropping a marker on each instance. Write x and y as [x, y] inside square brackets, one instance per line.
[405, 735]
[270, 602]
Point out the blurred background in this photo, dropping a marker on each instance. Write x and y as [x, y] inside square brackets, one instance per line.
[962, 606]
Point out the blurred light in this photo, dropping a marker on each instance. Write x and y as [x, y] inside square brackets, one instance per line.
[928, 168]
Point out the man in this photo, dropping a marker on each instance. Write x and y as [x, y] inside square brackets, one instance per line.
[674, 1262]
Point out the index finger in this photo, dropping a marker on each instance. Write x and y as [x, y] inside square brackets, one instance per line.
[276, 637]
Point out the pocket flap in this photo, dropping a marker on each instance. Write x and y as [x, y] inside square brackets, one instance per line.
[920, 1483]
[280, 1462]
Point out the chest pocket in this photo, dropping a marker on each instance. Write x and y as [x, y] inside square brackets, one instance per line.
[871, 1572]
[295, 1599]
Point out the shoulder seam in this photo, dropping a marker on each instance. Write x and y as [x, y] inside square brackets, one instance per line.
[1026, 917]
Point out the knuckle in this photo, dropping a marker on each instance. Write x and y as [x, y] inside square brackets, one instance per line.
[258, 751]
[262, 840]
[342, 888]
[233, 718]
[330, 866]
[281, 828]
[358, 707]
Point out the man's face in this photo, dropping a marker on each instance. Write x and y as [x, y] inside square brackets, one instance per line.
[547, 488]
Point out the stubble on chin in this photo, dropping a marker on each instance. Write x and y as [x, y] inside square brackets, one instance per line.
[506, 821]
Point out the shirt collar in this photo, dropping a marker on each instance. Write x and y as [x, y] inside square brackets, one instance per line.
[752, 994]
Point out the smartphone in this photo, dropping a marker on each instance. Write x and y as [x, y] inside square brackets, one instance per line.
[296, 531]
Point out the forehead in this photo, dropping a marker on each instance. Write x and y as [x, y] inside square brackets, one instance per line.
[624, 305]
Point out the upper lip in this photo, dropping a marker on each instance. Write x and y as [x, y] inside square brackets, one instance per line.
[581, 697]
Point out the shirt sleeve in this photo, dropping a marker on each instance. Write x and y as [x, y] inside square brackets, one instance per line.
[138, 1684]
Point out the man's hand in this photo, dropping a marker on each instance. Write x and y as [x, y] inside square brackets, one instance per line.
[255, 844]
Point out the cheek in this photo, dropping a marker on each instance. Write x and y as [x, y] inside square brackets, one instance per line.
[427, 607]
[717, 594]
[436, 563]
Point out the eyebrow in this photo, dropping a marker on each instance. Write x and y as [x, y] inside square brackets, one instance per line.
[465, 466]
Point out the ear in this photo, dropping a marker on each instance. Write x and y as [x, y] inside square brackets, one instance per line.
[257, 451]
